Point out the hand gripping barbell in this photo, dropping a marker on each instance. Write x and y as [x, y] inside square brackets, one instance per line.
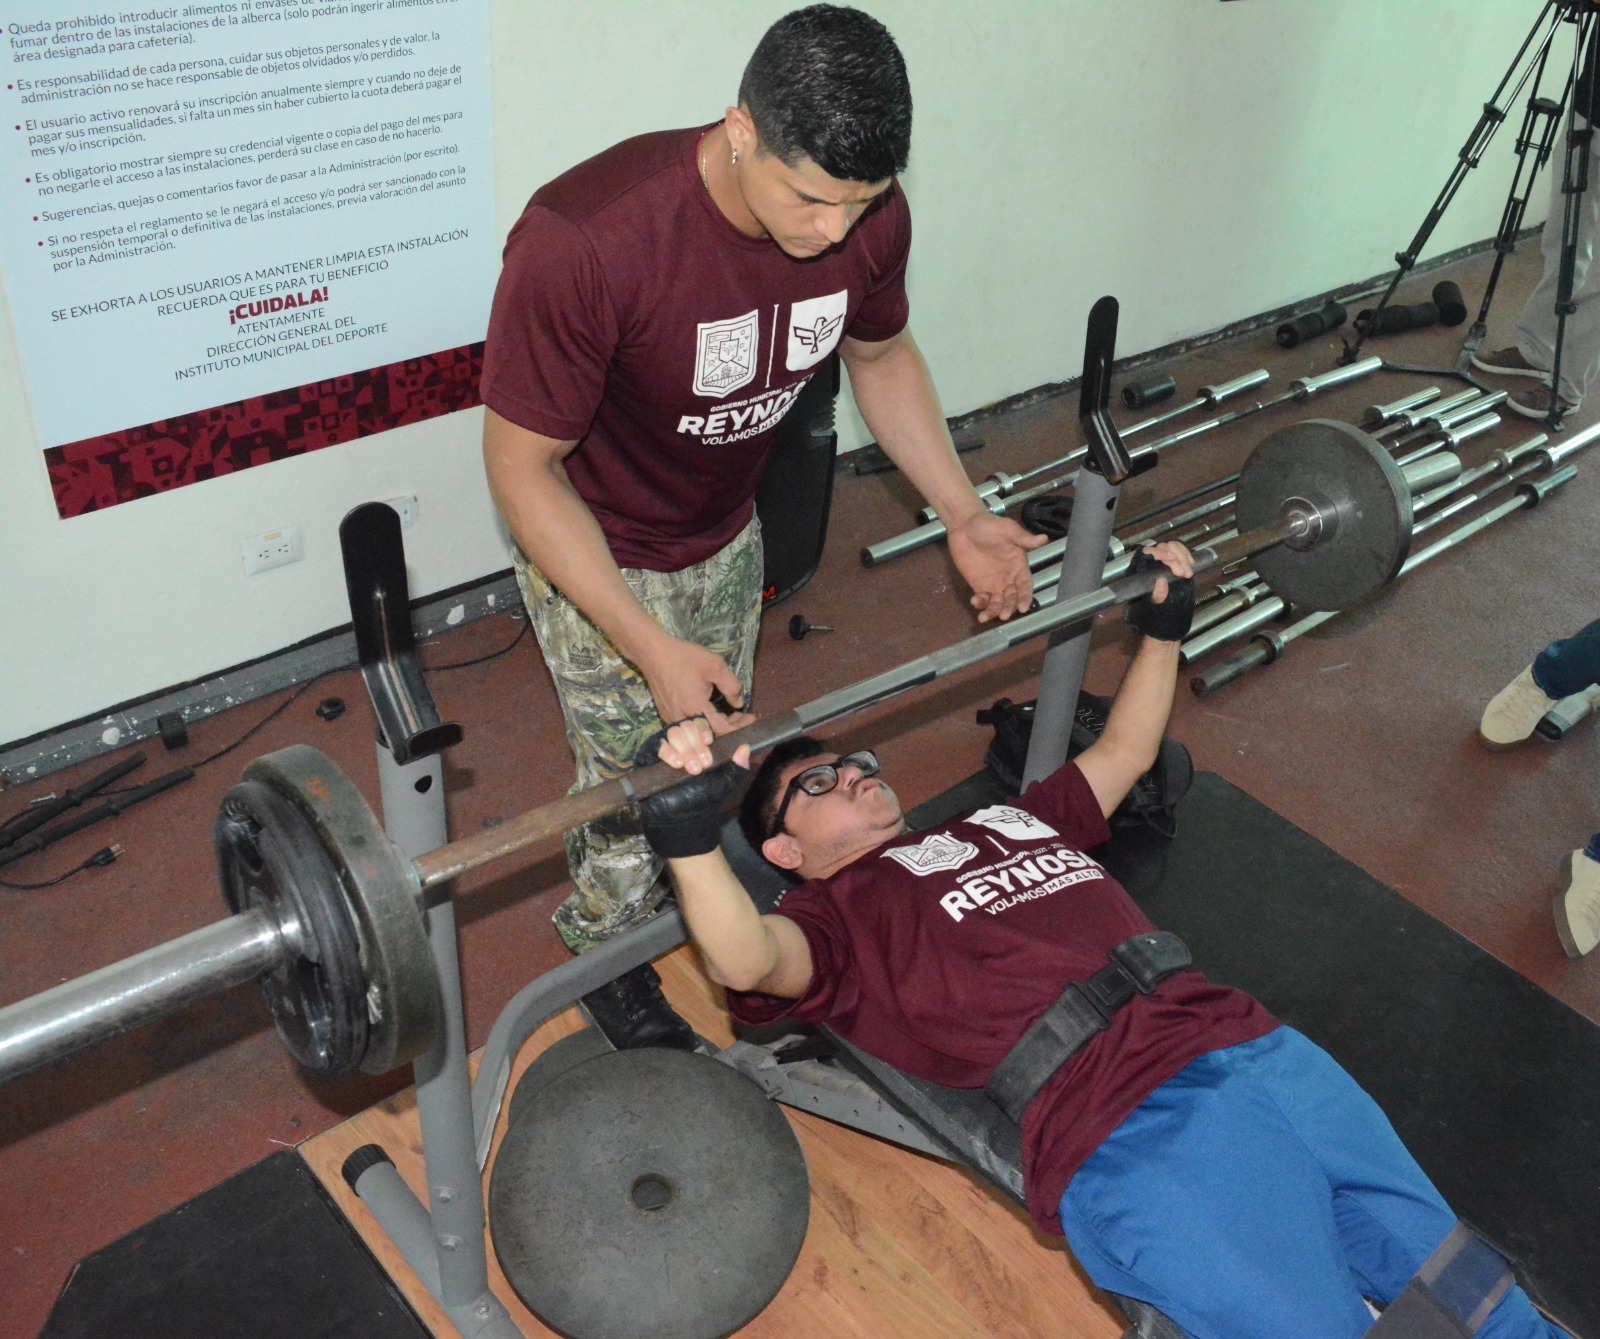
[328, 915]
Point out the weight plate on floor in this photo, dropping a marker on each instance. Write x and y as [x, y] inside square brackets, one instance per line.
[648, 1192]
[402, 987]
[554, 1061]
[269, 856]
[1360, 491]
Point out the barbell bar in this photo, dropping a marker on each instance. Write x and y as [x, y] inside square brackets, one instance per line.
[1303, 388]
[329, 915]
[1002, 484]
[1425, 472]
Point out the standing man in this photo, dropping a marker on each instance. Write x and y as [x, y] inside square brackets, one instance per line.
[661, 307]
[1533, 355]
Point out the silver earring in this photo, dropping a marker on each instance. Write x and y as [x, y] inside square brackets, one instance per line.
[736, 158]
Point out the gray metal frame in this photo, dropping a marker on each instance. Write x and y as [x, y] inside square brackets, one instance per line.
[443, 1241]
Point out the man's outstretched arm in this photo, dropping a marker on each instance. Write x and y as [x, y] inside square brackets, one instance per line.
[742, 949]
[1128, 746]
[895, 394]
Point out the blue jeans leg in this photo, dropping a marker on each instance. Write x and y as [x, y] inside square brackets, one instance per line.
[1261, 1193]
[1571, 665]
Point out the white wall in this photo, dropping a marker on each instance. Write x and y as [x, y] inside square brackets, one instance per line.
[1203, 161]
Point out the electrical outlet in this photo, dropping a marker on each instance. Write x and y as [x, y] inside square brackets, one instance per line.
[276, 548]
[407, 509]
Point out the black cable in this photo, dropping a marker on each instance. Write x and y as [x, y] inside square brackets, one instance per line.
[253, 730]
[268, 718]
[478, 660]
[104, 856]
[300, 691]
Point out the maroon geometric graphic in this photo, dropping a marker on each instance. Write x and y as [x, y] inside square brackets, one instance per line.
[120, 466]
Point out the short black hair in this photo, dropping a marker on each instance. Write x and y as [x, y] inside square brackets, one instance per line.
[760, 803]
[828, 83]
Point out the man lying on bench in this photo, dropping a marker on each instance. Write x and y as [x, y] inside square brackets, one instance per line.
[1196, 1153]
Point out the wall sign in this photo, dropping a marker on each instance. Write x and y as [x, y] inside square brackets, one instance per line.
[241, 230]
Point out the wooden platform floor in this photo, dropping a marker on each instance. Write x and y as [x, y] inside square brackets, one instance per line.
[898, 1244]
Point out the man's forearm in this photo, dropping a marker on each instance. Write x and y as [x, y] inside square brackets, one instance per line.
[1139, 713]
[554, 527]
[896, 396]
[734, 940]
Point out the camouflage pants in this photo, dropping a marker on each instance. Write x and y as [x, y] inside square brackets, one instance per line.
[617, 879]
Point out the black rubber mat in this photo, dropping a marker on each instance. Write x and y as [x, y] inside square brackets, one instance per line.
[1493, 1084]
[264, 1255]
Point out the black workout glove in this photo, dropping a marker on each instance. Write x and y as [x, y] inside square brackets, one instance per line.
[1168, 621]
[687, 819]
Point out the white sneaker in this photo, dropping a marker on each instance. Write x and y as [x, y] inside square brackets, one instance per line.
[1577, 909]
[1513, 712]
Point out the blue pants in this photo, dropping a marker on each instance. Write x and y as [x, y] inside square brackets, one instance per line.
[1567, 667]
[1258, 1194]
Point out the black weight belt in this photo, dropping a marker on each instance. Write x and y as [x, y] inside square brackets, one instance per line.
[1084, 1009]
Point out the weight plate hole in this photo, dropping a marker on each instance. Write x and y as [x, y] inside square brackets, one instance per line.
[652, 1192]
[424, 784]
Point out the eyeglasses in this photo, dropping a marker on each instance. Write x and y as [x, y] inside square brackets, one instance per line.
[819, 780]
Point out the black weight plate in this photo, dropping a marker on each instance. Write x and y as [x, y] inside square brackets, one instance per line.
[1049, 515]
[1353, 481]
[648, 1192]
[381, 889]
[269, 856]
[554, 1061]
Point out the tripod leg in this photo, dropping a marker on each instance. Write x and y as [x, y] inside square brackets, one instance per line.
[1538, 39]
[1540, 124]
[1575, 218]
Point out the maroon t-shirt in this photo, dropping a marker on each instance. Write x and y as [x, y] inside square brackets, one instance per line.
[632, 317]
[935, 952]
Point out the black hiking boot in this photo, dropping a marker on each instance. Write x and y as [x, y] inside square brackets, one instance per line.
[631, 1011]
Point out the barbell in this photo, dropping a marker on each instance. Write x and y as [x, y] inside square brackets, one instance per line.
[330, 917]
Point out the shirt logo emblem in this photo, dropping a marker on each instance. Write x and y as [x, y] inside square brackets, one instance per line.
[1009, 821]
[814, 329]
[725, 358]
[938, 852]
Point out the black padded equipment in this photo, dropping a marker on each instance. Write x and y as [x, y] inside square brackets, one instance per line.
[1151, 388]
[1362, 495]
[1396, 317]
[1447, 298]
[264, 1255]
[648, 1192]
[796, 491]
[1049, 515]
[1293, 332]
